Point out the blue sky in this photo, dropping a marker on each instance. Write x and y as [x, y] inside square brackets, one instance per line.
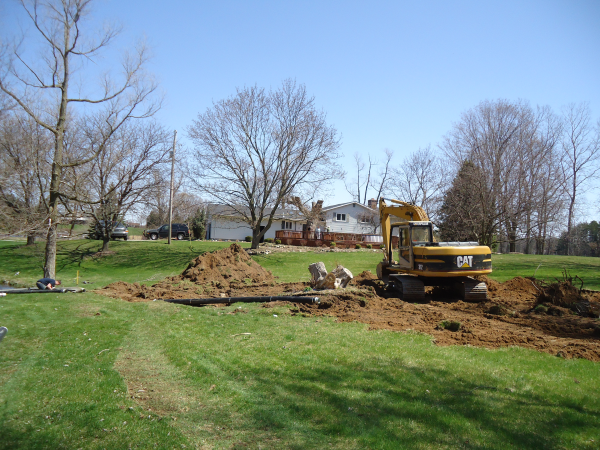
[389, 74]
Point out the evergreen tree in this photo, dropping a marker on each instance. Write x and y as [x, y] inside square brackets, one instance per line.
[466, 213]
[584, 240]
[198, 223]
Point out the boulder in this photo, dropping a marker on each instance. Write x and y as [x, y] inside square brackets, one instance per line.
[343, 275]
[317, 272]
[320, 279]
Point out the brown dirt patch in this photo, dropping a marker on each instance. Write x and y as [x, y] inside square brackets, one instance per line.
[508, 318]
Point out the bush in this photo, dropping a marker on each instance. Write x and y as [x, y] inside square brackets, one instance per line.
[369, 246]
[278, 241]
[248, 238]
[198, 224]
[357, 246]
[332, 245]
[269, 240]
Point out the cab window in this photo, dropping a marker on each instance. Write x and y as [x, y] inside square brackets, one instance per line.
[420, 235]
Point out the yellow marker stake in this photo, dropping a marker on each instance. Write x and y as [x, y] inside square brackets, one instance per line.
[78, 278]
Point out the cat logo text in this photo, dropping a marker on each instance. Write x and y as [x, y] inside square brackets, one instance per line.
[464, 262]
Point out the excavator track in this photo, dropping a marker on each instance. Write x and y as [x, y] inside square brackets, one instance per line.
[471, 290]
[410, 288]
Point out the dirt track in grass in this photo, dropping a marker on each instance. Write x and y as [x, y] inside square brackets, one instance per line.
[507, 318]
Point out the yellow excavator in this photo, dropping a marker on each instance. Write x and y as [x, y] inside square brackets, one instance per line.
[416, 260]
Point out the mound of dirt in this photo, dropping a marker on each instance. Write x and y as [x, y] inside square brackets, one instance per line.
[224, 266]
[561, 294]
[366, 278]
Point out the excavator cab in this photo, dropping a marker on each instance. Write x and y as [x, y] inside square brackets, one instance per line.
[410, 235]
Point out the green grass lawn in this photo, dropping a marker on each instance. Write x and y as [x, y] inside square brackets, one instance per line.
[200, 381]
[547, 268]
[135, 231]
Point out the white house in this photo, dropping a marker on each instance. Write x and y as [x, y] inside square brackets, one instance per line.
[225, 223]
[351, 217]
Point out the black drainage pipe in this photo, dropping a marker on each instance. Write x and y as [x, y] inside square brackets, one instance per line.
[212, 301]
[40, 291]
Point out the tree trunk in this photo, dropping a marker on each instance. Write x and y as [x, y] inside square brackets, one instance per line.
[528, 237]
[255, 238]
[570, 226]
[105, 242]
[31, 240]
[50, 253]
[512, 236]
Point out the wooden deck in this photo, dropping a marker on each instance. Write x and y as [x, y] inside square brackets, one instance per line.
[325, 238]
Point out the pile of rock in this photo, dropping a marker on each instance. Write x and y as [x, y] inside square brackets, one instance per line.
[320, 279]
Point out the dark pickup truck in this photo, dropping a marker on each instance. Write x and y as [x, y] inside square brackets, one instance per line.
[179, 231]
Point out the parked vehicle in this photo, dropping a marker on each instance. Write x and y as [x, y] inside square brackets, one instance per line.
[179, 231]
[119, 231]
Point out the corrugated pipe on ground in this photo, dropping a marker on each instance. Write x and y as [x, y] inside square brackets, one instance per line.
[40, 291]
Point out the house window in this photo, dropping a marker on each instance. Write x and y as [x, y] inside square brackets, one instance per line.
[286, 225]
[365, 218]
[340, 217]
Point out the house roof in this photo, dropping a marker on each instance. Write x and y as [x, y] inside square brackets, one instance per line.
[280, 214]
[339, 205]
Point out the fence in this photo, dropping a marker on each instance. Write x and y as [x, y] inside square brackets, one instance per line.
[325, 238]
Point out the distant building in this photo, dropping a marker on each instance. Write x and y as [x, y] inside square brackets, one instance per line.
[225, 223]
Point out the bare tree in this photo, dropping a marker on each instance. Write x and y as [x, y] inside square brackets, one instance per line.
[258, 148]
[380, 182]
[59, 26]
[24, 174]
[542, 180]
[358, 186]
[503, 139]
[421, 180]
[185, 206]
[580, 156]
[156, 203]
[121, 176]
[362, 180]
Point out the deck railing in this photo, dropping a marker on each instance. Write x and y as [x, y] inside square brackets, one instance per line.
[320, 238]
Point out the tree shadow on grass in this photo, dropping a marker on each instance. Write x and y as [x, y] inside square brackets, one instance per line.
[413, 408]
[69, 256]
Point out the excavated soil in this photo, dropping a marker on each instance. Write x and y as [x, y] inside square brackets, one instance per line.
[559, 319]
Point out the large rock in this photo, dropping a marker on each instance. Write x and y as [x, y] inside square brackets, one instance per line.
[343, 275]
[317, 272]
[320, 279]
